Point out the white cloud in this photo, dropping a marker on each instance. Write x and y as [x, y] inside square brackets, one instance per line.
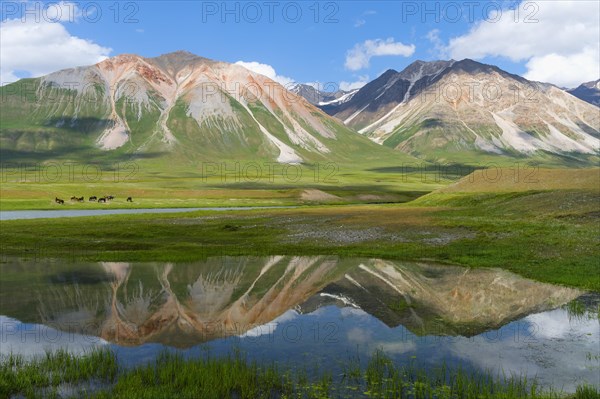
[439, 50]
[536, 345]
[16, 338]
[359, 23]
[43, 47]
[360, 56]
[270, 327]
[317, 85]
[561, 47]
[266, 70]
[347, 86]
[62, 11]
[567, 71]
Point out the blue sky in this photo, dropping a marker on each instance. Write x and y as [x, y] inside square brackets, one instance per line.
[328, 41]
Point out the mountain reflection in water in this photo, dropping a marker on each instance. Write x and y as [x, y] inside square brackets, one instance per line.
[182, 305]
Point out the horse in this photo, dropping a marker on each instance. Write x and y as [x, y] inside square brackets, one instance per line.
[73, 198]
[93, 198]
[59, 201]
[129, 199]
[110, 197]
[103, 199]
[80, 199]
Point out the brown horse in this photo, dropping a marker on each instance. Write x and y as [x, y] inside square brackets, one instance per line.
[93, 198]
[59, 201]
[80, 199]
[129, 199]
[103, 199]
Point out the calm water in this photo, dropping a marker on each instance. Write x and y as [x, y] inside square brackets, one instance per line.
[304, 311]
[15, 215]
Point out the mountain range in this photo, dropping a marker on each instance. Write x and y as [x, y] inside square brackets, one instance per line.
[319, 97]
[186, 108]
[454, 109]
[177, 105]
[589, 91]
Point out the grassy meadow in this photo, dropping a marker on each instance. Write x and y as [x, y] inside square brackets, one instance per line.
[221, 184]
[537, 230]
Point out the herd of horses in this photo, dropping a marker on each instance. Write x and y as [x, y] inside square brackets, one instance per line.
[93, 198]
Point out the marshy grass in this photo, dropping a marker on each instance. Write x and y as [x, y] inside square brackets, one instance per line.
[43, 376]
[578, 310]
[96, 375]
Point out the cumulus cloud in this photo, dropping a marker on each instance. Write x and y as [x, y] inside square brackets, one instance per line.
[565, 70]
[559, 40]
[38, 48]
[359, 57]
[266, 70]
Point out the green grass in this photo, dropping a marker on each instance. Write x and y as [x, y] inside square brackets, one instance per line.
[28, 378]
[550, 236]
[156, 183]
[97, 375]
[579, 311]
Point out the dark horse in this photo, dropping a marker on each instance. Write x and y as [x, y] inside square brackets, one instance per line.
[93, 198]
[59, 201]
[110, 197]
[129, 199]
[80, 199]
[103, 199]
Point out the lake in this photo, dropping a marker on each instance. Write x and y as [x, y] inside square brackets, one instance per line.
[302, 312]
[66, 213]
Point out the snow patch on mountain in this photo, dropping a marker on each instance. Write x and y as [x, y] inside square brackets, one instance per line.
[345, 300]
[346, 97]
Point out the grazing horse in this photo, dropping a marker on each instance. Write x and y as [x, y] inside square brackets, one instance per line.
[103, 199]
[129, 199]
[93, 198]
[59, 201]
[73, 198]
[110, 197]
[80, 199]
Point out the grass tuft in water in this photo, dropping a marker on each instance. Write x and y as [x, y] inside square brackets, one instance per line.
[97, 375]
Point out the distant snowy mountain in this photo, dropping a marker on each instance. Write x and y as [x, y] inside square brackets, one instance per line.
[446, 109]
[344, 97]
[320, 97]
[589, 92]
